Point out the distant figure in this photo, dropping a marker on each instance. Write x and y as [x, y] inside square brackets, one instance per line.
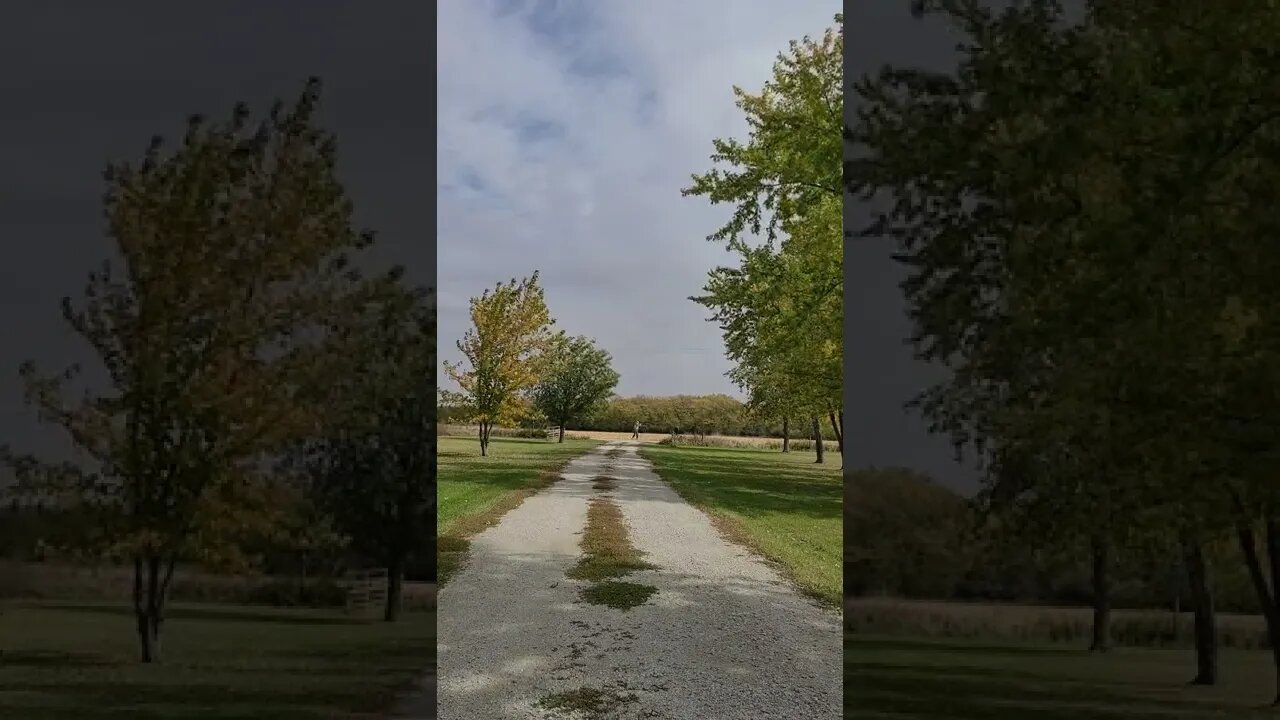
[635, 432]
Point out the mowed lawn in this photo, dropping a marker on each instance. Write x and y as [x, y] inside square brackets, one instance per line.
[225, 662]
[782, 505]
[469, 485]
[897, 678]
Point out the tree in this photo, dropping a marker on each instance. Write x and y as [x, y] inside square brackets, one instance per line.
[215, 334]
[373, 468]
[579, 380]
[1079, 221]
[506, 354]
[781, 308]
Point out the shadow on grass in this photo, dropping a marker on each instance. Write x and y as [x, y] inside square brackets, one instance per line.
[229, 614]
[924, 680]
[56, 659]
[127, 700]
[748, 487]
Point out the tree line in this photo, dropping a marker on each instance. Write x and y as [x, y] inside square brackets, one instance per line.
[707, 414]
[781, 307]
[264, 390]
[908, 537]
[1083, 208]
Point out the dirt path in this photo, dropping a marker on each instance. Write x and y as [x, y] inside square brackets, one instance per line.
[724, 637]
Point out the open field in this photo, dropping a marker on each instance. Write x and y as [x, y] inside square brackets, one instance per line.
[784, 506]
[474, 492]
[79, 660]
[902, 678]
[989, 622]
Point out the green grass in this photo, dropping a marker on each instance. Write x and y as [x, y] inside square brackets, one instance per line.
[474, 492]
[607, 551]
[784, 506]
[224, 662]
[897, 678]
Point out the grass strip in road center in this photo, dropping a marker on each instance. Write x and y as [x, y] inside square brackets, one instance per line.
[607, 550]
[608, 554]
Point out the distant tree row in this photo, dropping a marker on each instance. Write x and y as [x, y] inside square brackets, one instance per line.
[906, 536]
[706, 414]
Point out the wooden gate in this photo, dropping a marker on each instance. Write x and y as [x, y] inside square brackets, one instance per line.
[366, 592]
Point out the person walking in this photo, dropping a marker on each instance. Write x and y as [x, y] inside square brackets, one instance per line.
[635, 431]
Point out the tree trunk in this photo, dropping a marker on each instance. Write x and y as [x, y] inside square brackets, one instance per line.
[786, 435]
[395, 589]
[148, 604]
[817, 439]
[1100, 551]
[561, 432]
[484, 439]
[1206, 631]
[839, 431]
[1266, 598]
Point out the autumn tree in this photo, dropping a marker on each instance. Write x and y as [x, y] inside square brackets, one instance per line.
[213, 329]
[506, 352]
[579, 379]
[373, 466]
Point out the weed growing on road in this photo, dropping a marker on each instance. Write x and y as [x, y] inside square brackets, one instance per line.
[589, 701]
[451, 551]
[616, 594]
[607, 551]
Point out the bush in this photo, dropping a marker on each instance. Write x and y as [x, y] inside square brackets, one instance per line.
[290, 592]
[1035, 624]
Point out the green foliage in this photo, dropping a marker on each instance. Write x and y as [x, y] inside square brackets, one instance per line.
[373, 465]
[1081, 207]
[216, 334]
[781, 307]
[579, 379]
[506, 352]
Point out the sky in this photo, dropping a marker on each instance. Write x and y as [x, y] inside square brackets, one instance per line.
[87, 82]
[566, 132]
[881, 373]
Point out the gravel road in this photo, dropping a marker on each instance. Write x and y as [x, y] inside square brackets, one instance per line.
[724, 638]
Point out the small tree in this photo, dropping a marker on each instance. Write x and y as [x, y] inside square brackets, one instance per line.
[505, 351]
[214, 336]
[374, 467]
[579, 380]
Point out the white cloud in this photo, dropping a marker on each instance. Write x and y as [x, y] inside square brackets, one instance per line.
[566, 130]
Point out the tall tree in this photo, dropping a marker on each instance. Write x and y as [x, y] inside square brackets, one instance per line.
[215, 332]
[373, 467]
[781, 307]
[579, 379]
[506, 352]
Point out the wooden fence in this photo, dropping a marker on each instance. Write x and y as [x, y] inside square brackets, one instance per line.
[366, 591]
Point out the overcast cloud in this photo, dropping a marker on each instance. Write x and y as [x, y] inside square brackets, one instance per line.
[565, 133]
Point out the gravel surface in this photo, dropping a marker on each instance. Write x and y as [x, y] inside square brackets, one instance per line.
[724, 638]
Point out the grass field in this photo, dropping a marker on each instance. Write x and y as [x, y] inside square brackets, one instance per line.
[473, 492]
[784, 506]
[224, 662]
[1040, 624]
[900, 678]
